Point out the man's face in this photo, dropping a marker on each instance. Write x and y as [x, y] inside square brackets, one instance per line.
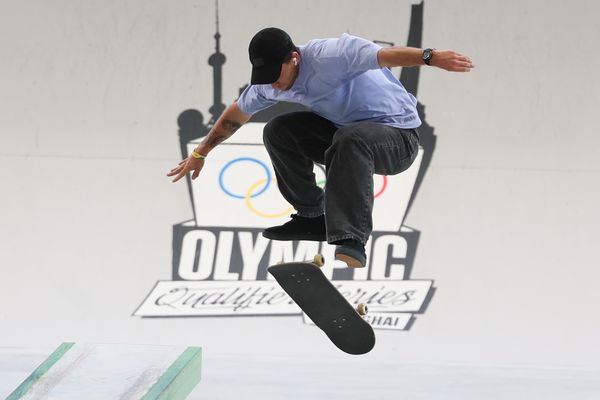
[289, 73]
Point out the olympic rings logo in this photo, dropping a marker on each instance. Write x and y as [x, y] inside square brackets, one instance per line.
[260, 186]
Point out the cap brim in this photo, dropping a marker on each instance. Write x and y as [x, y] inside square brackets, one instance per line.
[266, 74]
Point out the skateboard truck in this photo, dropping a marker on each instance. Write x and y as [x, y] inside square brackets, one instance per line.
[319, 260]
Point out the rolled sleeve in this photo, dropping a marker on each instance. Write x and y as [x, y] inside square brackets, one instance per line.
[253, 100]
[358, 54]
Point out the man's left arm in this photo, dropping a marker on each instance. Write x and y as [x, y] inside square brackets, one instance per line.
[412, 57]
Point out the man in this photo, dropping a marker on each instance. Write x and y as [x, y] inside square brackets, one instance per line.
[361, 122]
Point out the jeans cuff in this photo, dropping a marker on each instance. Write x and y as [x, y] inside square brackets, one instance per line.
[337, 238]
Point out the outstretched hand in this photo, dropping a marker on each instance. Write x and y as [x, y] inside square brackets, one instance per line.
[451, 61]
[185, 166]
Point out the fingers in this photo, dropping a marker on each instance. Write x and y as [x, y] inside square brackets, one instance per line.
[178, 170]
[453, 61]
[459, 66]
[461, 63]
[463, 67]
[184, 167]
[182, 171]
[175, 170]
[179, 176]
[467, 63]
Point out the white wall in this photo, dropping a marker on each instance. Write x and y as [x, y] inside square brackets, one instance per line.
[90, 95]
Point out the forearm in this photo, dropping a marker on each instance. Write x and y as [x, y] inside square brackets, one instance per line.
[226, 125]
[448, 60]
[400, 57]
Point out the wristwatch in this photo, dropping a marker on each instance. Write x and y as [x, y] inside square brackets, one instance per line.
[427, 56]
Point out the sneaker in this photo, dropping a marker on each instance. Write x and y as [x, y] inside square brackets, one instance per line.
[299, 228]
[352, 253]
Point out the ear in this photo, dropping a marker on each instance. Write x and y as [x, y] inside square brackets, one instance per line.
[295, 57]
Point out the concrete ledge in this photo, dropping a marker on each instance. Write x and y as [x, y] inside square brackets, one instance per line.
[107, 371]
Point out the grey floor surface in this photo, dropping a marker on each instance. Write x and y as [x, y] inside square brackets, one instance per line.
[242, 377]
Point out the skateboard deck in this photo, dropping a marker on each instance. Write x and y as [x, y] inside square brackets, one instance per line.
[306, 284]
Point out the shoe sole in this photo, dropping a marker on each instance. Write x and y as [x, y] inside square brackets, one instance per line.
[350, 261]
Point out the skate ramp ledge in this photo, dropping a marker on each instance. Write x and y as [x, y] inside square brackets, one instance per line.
[113, 371]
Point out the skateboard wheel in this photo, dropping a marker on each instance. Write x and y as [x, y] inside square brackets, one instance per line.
[319, 260]
[362, 309]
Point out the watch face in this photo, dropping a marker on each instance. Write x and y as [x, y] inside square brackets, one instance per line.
[427, 54]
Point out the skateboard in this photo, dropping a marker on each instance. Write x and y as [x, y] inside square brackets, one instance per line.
[306, 284]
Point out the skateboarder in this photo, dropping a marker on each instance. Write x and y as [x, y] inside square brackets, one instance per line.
[361, 122]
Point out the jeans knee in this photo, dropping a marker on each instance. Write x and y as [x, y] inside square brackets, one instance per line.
[269, 130]
[345, 140]
[275, 128]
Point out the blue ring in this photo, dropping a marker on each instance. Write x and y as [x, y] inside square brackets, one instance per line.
[254, 160]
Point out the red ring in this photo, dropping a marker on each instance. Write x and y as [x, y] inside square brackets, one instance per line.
[382, 188]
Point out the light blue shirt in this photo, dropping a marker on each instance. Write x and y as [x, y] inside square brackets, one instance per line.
[340, 79]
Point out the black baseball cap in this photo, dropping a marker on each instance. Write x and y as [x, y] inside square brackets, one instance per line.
[268, 49]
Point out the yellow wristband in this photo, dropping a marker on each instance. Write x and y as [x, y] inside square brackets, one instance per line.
[197, 155]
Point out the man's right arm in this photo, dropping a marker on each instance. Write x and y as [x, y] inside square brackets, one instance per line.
[227, 124]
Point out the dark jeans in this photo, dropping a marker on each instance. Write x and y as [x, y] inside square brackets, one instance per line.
[351, 155]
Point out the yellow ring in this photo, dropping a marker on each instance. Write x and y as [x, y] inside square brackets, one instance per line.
[260, 213]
